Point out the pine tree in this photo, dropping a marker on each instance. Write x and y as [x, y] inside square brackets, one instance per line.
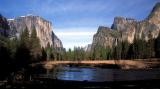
[117, 51]
[70, 54]
[24, 38]
[125, 48]
[93, 55]
[157, 46]
[44, 55]
[130, 53]
[150, 46]
[35, 45]
[49, 51]
[22, 55]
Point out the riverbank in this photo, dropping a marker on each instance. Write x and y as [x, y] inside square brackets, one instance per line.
[45, 83]
[117, 78]
[123, 64]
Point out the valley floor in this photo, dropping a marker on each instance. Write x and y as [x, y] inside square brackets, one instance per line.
[123, 64]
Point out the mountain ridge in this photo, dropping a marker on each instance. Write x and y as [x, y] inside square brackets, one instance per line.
[43, 28]
[128, 29]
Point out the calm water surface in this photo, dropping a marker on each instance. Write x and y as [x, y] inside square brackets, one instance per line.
[100, 74]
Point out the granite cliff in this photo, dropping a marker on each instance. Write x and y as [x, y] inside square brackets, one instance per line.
[4, 27]
[42, 26]
[128, 29]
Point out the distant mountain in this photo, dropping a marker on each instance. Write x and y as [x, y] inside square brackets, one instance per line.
[128, 29]
[42, 26]
[87, 48]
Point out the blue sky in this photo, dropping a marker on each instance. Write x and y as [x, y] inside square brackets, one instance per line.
[76, 21]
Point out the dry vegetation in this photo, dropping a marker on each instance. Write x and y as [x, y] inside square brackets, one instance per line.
[124, 64]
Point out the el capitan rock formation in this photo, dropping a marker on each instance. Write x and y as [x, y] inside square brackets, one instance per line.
[42, 26]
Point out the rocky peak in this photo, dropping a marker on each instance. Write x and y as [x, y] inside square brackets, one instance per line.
[87, 48]
[107, 32]
[42, 26]
[154, 16]
[126, 29]
[105, 37]
[122, 20]
[155, 12]
[120, 23]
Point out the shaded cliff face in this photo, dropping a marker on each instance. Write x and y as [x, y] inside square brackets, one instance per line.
[154, 16]
[127, 29]
[4, 27]
[42, 26]
[105, 37]
[3, 23]
[87, 48]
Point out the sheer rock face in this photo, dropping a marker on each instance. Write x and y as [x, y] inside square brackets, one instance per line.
[105, 37]
[4, 27]
[154, 16]
[87, 48]
[3, 23]
[127, 29]
[42, 26]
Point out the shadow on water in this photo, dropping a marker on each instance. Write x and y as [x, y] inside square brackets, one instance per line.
[97, 77]
[64, 76]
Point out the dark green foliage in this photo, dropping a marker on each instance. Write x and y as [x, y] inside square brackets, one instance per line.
[79, 53]
[49, 52]
[157, 46]
[5, 62]
[16, 54]
[70, 55]
[35, 46]
[24, 38]
[139, 49]
[130, 53]
[23, 57]
[44, 55]
[150, 46]
[117, 51]
[101, 53]
[3, 23]
[125, 48]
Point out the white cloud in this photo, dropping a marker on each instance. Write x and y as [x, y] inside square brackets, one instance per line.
[78, 36]
[75, 33]
[78, 39]
[76, 29]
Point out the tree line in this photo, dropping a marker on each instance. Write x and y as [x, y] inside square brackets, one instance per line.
[18, 53]
[139, 49]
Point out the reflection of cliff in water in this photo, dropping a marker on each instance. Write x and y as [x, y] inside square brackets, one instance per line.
[99, 74]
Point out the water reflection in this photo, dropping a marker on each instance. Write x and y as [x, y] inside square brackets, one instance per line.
[73, 73]
[100, 74]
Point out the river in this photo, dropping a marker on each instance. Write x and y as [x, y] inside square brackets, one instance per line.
[99, 74]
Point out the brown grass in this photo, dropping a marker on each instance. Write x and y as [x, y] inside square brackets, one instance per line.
[124, 64]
